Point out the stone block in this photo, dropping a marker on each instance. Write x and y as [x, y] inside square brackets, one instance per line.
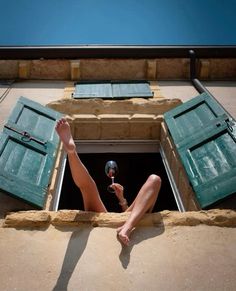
[115, 126]
[8, 69]
[28, 219]
[50, 69]
[151, 69]
[204, 69]
[24, 69]
[87, 126]
[185, 68]
[156, 129]
[223, 69]
[141, 126]
[75, 70]
[113, 69]
[168, 69]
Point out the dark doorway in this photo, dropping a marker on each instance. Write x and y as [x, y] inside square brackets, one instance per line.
[134, 169]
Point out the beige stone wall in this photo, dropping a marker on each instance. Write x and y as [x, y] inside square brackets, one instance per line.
[117, 69]
[128, 106]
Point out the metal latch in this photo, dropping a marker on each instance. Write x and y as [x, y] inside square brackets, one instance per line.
[230, 124]
[25, 135]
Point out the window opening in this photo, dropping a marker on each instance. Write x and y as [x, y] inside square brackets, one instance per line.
[134, 168]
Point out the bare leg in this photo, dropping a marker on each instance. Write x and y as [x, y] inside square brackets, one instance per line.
[144, 202]
[81, 176]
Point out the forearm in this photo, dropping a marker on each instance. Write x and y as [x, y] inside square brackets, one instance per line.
[123, 203]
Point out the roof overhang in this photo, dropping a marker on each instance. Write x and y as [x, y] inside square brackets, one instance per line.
[111, 51]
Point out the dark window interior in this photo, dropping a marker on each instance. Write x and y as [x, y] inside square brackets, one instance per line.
[134, 169]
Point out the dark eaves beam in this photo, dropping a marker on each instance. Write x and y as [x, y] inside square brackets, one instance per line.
[101, 51]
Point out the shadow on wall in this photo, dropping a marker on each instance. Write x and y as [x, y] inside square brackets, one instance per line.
[78, 242]
[74, 251]
[138, 235]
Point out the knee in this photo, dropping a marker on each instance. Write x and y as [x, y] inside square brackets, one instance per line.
[155, 181]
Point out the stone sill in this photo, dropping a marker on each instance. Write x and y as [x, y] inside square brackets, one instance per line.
[34, 219]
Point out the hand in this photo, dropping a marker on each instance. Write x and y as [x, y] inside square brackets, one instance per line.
[119, 190]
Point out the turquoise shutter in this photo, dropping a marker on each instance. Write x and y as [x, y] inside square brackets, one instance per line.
[109, 90]
[128, 90]
[210, 162]
[208, 153]
[93, 90]
[28, 146]
[193, 116]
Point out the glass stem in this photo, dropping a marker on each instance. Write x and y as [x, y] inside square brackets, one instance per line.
[112, 180]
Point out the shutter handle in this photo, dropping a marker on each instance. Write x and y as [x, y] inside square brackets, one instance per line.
[230, 124]
[26, 136]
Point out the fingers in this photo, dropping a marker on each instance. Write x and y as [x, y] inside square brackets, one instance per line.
[117, 187]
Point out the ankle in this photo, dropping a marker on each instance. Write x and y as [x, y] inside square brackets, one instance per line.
[71, 152]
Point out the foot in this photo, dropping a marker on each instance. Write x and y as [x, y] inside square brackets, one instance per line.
[63, 130]
[123, 234]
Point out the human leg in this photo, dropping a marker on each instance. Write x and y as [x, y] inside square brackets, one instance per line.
[81, 176]
[143, 203]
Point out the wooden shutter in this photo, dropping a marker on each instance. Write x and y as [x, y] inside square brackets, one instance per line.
[28, 146]
[110, 90]
[191, 117]
[135, 89]
[205, 137]
[93, 90]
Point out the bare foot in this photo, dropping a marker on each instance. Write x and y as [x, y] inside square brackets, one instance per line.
[123, 233]
[63, 130]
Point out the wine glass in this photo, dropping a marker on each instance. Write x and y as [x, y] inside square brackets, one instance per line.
[111, 170]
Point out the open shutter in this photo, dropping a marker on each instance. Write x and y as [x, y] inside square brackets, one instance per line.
[205, 138]
[193, 116]
[28, 146]
[210, 162]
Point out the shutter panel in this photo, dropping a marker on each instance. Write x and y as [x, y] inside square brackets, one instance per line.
[128, 90]
[93, 90]
[27, 159]
[192, 116]
[205, 138]
[111, 90]
[210, 162]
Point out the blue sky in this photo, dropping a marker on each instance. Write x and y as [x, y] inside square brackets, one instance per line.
[117, 22]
